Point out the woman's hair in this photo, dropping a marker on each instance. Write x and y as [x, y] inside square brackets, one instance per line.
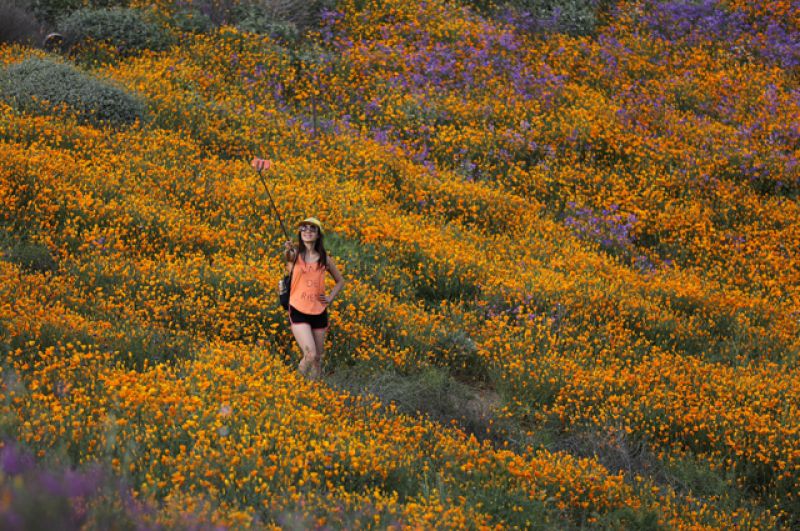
[318, 246]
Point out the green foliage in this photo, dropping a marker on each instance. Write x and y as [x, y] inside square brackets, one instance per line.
[145, 347]
[258, 22]
[441, 282]
[507, 503]
[32, 257]
[281, 18]
[693, 475]
[17, 23]
[432, 392]
[207, 122]
[19, 215]
[630, 518]
[51, 10]
[735, 336]
[573, 17]
[192, 20]
[136, 349]
[454, 348]
[301, 14]
[45, 86]
[371, 264]
[269, 17]
[52, 335]
[484, 6]
[126, 29]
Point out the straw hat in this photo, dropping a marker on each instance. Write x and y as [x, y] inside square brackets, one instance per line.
[311, 221]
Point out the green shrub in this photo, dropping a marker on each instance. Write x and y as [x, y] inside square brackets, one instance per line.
[284, 18]
[49, 11]
[17, 24]
[127, 29]
[454, 348]
[302, 14]
[192, 20]
[703, 479]
[641, 519]
[258, 22]
[43, 85]
[32, 257]
[573, 17]
[437, 281]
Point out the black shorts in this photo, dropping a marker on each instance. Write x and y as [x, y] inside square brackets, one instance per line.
[315, 321]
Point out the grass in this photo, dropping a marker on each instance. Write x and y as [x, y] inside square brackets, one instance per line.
[431, 392]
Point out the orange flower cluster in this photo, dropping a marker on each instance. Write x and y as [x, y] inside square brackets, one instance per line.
[236, 426]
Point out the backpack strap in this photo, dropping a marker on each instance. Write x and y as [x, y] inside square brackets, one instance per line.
[294, 262]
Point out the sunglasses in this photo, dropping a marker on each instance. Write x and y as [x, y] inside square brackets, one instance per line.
[308, 228]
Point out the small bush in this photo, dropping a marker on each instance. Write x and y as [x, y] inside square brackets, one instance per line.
[284, 18]
[32, 257]
[614, 449]
[126, 29]
[302, 14]
[192, 20]
[49, 11]
[43, 85]
[17, 25]
[257, 22]
[454, 348]
[691, 474]
[573, 17]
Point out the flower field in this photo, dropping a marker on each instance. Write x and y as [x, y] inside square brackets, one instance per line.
[597, 236]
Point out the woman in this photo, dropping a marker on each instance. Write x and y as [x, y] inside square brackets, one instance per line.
[308, 305]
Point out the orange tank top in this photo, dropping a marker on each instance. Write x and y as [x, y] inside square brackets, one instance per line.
[308, 283]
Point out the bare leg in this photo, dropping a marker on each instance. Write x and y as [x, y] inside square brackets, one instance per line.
[319, 344]
[305, 340]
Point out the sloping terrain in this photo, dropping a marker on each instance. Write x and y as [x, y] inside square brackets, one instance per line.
[573, 290]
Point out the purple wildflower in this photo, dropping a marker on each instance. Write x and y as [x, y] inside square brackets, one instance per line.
[15, 461]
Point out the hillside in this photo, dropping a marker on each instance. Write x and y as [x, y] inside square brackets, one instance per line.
[572, 253]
